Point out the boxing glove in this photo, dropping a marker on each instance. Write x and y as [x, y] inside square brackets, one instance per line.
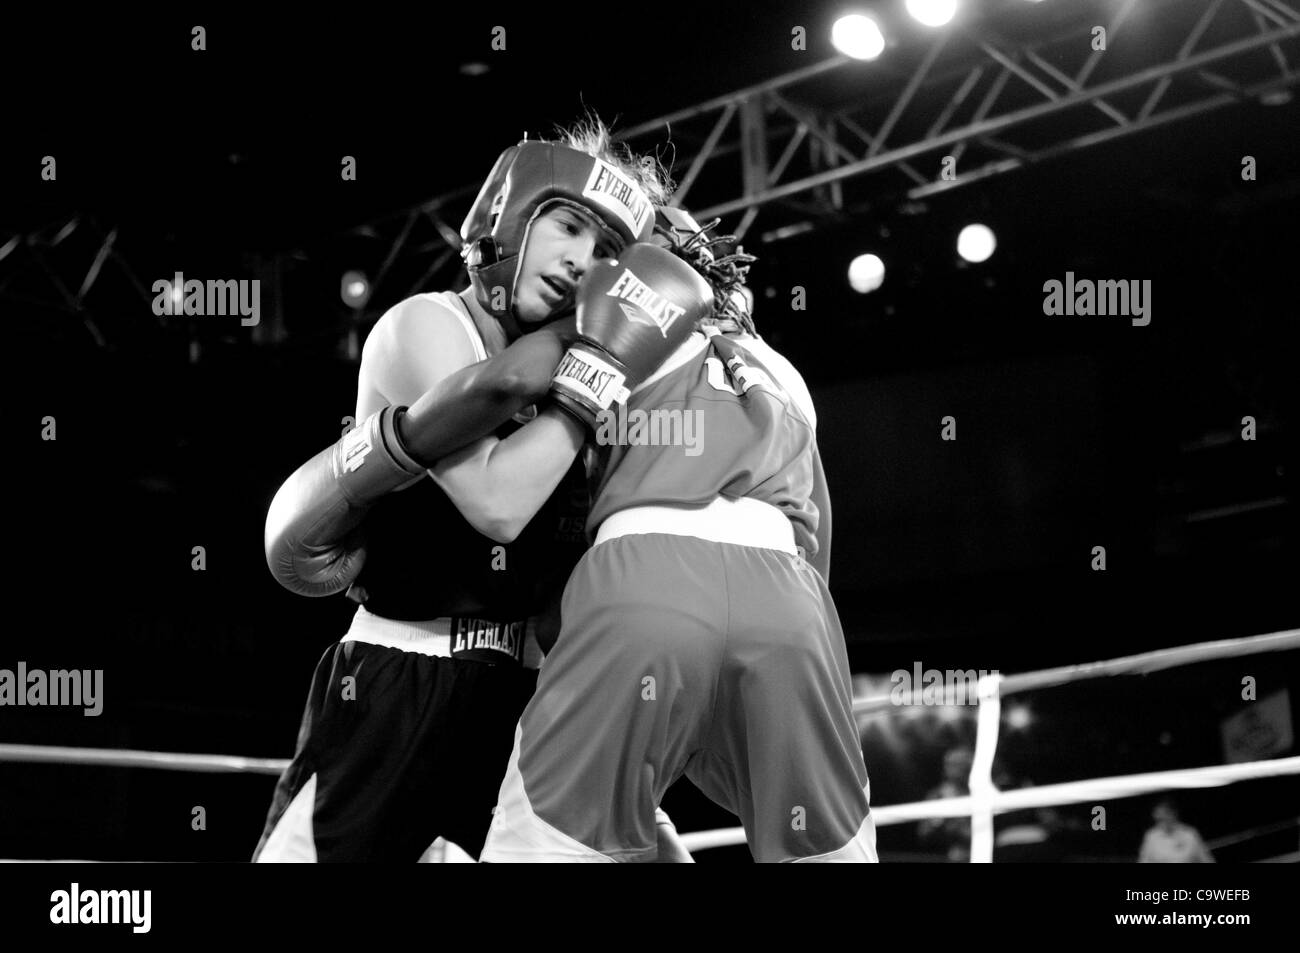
[632, 313]
[312, 537]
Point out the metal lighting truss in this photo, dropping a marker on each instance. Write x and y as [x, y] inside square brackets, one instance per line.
[995, 95]
[970, 89]
[793, 145]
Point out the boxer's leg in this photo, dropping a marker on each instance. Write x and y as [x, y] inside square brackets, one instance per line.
[623, 700]
[481, 732]
[784, 753]
[287, 836]
[369, 782]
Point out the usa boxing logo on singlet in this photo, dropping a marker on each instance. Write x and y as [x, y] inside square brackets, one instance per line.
[571, 524]
[481, 640]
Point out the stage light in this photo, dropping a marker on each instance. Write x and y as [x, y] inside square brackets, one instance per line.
[858, 36]
[976, 243]
[866, 273]
[178, 298]
[354, 290]
[932, 12]
[1019, 717]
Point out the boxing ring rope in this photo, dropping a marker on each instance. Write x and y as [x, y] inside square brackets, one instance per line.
[1048, 795]
[124, 758]
[980, 805]
[985, 799]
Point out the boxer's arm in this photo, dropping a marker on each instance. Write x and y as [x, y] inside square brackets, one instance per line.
[792, 382]
[312, 537]
[415, 345]
[419, 358]
[499, 485]
[821, 498]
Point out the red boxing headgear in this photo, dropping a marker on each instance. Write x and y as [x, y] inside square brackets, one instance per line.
[526, 179]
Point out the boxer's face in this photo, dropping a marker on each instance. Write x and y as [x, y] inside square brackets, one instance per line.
[562, 244]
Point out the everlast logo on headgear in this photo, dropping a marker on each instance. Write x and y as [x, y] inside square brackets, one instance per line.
[614, 191]
[658, 310]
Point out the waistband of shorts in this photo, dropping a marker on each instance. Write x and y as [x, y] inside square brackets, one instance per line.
[431, 637]
[742, 522]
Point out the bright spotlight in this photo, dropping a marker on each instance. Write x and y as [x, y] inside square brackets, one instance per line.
[354, 290]
[976, 243]
[1019, 717]
[932, 12]
[866, 273]
[858, 36]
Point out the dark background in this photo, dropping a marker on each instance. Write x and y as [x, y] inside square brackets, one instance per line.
[1073, 432]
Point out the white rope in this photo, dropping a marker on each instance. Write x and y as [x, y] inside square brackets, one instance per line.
[980, 806]
[125, 758]
[1048, 795]
[1142, 664]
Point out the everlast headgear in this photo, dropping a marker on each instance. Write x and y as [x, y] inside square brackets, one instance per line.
[526, 179]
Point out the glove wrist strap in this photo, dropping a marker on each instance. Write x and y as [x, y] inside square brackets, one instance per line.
[372, 461]
[590, 376]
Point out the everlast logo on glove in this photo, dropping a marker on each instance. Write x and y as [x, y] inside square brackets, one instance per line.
[658, 310]
[356, 447]
[612, 190]
[590, 376]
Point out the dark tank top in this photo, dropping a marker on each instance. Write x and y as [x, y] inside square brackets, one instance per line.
[425, 561]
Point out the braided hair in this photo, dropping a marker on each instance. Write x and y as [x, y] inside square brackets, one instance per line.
[725, 274]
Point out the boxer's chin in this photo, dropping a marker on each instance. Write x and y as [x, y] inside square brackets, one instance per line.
[530, 309]
[563, 311]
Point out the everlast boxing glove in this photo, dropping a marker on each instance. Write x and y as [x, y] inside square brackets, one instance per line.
[632, 313]
[312, 544]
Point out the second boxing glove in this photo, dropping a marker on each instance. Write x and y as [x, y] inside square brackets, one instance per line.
[632, 313]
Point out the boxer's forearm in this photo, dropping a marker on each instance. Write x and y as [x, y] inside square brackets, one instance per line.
[499, 485]
[312, 536]
[474, 401]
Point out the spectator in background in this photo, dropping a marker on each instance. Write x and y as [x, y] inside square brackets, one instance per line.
[1172, 842]
[951, 834]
